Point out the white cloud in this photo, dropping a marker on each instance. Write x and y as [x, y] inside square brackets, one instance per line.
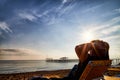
[64, 1]
[29, 51]
[52, 21]
[107, 25]
[43, 14]
[110, 30]
[20, 54]
[65, 9]
[46, 18]
[114, 37]
[28, 16]
[105, 31]
[91, 9]
[4, 26]
[115, 20]
[35, 15]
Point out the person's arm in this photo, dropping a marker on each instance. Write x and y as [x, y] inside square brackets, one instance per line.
[82, 51]
[78, 50]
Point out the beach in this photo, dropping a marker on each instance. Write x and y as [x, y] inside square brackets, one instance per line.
[28, 75]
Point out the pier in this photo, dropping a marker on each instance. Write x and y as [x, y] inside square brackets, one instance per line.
[62, 59]
[115, 61]
[58, 60]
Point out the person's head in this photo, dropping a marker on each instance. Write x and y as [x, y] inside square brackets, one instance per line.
[100, 48]
[100, 44]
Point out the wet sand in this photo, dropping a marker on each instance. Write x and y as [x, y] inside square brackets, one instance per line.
[28, 75]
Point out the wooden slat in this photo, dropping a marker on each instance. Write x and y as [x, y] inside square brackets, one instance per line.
[95, 69]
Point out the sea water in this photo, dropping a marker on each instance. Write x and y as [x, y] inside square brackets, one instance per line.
[18, 66]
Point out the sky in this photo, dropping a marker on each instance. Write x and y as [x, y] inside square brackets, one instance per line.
[40, 29]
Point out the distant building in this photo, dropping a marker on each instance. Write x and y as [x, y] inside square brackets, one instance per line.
[64, 58]
[49, 59]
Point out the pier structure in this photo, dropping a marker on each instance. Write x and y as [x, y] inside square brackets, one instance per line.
[58, 60]
[115, 61]
[65, 59]
[62, 59]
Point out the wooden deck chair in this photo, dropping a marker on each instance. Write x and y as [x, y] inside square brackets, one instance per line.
[95, 69]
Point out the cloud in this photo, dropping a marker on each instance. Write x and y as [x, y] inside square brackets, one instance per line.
[117, 10]
[12, 52]
[114, 37]
[16, 52]
[65, 10]
[20, 54]
[91, 9]
[111, 30]
[36, 16]
[4, 26]
[45, 13]
[115, 20]
[66, 1]
[107, 25]
[28, 16]
[107, 31]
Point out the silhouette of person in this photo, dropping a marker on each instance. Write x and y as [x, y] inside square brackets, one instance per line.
[95, 50]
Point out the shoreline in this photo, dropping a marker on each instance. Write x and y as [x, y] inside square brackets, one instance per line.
[27, 75]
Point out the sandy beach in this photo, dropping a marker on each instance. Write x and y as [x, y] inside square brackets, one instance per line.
[28, 75]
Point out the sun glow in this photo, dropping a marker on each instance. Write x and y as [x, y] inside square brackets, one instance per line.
[88, 36]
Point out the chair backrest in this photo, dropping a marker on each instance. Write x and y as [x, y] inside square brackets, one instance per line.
[95, 69]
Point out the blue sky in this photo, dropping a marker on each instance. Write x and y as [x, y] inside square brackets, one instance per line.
[39, 29]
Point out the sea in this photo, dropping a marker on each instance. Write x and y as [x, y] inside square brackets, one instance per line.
[20, 66]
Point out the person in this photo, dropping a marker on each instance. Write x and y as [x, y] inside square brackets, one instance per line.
[94, 50]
